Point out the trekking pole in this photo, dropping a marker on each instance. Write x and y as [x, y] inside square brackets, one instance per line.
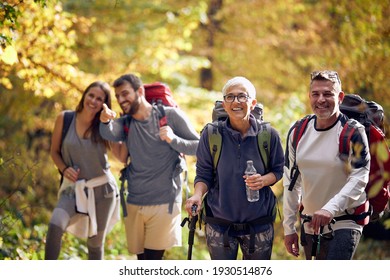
[316, 247]
[123, 179]
[192, 226]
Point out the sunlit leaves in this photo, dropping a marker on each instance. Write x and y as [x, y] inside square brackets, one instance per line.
[10, 11]
[381, 151]
[375, 188]
[151, 38]
[165, 44]
[62, 46]
[45, 41]
[9, 55]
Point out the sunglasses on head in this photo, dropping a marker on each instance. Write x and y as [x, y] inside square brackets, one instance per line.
[326, 74]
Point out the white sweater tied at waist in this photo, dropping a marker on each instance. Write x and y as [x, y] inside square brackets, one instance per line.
[85, 203]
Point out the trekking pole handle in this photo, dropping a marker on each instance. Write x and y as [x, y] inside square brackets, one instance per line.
[194, 207]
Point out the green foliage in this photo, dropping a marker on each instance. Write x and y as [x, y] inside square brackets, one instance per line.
[50, 50]
[20, 210]
[152, 38]
[10, 11]
[9, 14]
[370, 249]
[276, 44]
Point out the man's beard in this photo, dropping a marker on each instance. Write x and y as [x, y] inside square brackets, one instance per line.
[134, 107]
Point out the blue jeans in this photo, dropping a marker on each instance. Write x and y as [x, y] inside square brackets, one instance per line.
[341, 247]
[218, 251]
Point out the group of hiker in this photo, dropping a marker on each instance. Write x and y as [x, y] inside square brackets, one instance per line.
[151, 140]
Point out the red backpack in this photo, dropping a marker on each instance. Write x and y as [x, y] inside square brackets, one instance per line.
[370, 114]
[158, 91]
[160, 94]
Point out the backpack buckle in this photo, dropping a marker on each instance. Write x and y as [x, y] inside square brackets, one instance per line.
[239, 227]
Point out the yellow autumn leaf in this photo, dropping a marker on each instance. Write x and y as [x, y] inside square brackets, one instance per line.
[358, 147]
[382, 151]
[374, 190]
[48, 92]
[9, 56]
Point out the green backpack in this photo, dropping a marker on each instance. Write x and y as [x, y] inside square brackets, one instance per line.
[215, 138]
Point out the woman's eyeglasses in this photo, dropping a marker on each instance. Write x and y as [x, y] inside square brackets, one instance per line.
[229, 98]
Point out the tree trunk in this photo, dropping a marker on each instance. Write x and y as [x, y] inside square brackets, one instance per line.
[206, 74]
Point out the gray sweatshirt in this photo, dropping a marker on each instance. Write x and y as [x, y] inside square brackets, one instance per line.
[155, 166]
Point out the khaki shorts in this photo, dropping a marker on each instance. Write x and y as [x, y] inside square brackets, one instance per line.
[152, 227]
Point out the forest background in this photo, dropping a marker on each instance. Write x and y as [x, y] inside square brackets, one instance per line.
[51, 50]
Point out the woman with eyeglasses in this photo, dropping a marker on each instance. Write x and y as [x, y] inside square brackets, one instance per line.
[233, 221]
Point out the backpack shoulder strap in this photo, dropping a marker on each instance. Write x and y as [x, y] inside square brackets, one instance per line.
[345, 138]
[215, 141]
[264, 143]
[68, 117]
[161, 113]
[298, 130]
[126, 124]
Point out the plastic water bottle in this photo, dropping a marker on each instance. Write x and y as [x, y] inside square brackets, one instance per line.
[252, 195]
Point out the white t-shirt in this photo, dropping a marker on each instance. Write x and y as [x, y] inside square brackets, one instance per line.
[324, 182]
